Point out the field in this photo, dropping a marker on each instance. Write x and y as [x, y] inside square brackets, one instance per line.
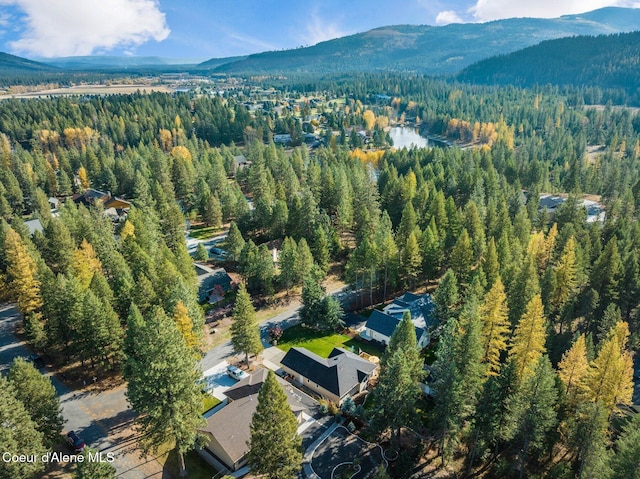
[92, 90]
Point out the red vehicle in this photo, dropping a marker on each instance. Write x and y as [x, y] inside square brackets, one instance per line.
[75, 442]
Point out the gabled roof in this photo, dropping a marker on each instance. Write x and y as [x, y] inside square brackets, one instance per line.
[385, 324]
[230, 425]
[421, 308]
[338, 374]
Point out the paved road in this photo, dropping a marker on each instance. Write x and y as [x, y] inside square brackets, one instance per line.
[285, 319]
[102, 419]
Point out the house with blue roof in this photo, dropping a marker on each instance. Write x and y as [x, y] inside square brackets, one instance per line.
[381, 324]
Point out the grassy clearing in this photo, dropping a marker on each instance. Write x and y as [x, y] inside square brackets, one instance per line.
[202, 232]
[197, 468]
[322, 343]
[209, 402]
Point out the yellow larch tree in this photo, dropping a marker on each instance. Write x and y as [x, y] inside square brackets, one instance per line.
[369, 119]
[22, 270]
[85, 262]
[84, 179]
[573, 370]
[185, 325]
[494, 314]
[610, 377]
[528, 341]
[565, 276]
[127, 230]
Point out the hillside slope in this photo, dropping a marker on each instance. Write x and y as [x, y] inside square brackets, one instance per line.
[433, 50]
[606, 61]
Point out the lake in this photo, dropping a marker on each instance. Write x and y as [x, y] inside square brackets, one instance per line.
[404, 136]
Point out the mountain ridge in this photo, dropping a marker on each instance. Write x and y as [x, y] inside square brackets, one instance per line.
[430, 49]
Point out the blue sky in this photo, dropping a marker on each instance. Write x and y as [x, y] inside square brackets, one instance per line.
[221, 28]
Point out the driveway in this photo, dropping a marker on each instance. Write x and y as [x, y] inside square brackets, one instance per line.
[102, 419]
[217, 380]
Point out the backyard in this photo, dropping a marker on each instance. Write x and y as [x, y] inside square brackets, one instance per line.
[323, 342]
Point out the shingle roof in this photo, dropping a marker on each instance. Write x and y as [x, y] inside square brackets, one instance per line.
[338, 374]
[230, 425]
[385, 324]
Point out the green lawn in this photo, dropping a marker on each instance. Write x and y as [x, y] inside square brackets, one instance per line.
[321, 342]
[197, 468]
[202, 232]
[209, 402]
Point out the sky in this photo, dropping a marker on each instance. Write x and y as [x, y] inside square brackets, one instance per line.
[201, 29]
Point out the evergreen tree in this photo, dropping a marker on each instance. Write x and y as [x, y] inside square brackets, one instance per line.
[490, 263]
[446, 297]
[201, 253]
[529, 336]
[161, 379]
[565, 277]
[410, 260]
[461, 259]
[534, 408]
[94, 469]
[235, 242]
[245, 332]
[607, 273]
[211, 211]
[275, 449]
[59, 246]
[304, 261]
[287, 262]
[320, 310]
[37, 394]
[20, 435]
[625, 461]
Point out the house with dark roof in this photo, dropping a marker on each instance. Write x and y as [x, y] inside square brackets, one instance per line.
[381, 324]
[115, 208]
[212, 283]
[227, 430]
[340, 375]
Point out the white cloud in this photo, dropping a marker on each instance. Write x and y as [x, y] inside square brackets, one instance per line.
[82, 27]
[447, 17]
[320, 30]
[485, 10]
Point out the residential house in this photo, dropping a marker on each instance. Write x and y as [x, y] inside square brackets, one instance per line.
[550, 204]
[228, 432]
[115, 208]
[212, 283]
[283, 139]
[240, 162]
[381, 324]
[33, 226]
[342, 374]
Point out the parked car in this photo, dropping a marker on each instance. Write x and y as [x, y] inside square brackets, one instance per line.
[75, 442]
[36, 360]
[236, 373]
[219, 252]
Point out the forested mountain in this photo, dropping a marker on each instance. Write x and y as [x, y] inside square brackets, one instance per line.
[100, 62]
[607, 61]
[433, 50]
[13, 64]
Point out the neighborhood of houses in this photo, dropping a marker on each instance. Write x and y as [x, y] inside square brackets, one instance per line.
[309, 380]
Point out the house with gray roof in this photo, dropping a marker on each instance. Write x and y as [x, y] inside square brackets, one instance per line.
[340, 375]
[227, 430]
[212, 283]
[381, 324]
